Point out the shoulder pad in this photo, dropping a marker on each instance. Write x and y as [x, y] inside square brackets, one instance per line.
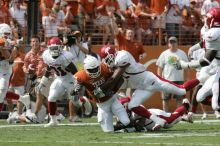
[80, 76]
[122, 58]
[45, 55]
[67, 58]
[212, 34]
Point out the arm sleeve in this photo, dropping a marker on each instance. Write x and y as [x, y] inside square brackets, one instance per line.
[160, 61]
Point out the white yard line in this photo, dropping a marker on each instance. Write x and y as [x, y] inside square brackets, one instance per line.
[41, 125]
[172, 135]
[94, 124]
[111, 142]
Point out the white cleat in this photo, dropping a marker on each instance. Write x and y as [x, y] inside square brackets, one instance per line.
[60, 117]
[156, 127]
[75, 119]
[13, 117]
[204, 116]
[158, 121]
[51, 124]
[188, 117]
[217, 114]
[186, 101]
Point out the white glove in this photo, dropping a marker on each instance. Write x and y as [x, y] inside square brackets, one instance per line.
[179, 64]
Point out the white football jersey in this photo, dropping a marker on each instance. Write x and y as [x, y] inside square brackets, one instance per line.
[134, 72]
[123, 58]
[212, 42]
[59, 64]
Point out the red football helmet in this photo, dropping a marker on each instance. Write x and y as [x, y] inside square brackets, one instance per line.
[107, 54]
[54, 46]
[213, 17]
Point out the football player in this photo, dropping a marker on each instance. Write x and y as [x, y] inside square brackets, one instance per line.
[143, 124]
[92, 77]
[5, 61]
[212, 43]
[145, 82]
[61, 62]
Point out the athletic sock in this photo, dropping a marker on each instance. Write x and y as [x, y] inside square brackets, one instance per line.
[52, 108]
[141, 111]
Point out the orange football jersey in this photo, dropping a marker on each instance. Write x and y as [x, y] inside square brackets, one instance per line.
[91, 83]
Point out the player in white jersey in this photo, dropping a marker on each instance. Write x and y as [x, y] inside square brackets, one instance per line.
[145, 82]
[212, 45]
[61, 62]
[5, 66]
[140, 124]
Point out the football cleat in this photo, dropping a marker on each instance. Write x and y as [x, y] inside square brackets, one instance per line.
[186, 101]
[204, 116]
[157, 127]
[75, 119]
[188, 117]
[60, 117]
[157, 120]
[12, 118]
[217, 114]
[51, 124]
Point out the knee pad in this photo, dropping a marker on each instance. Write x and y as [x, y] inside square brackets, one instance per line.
[131, 105]
[52, 99]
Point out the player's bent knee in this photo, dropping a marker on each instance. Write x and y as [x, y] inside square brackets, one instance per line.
[125, 121]
[52, 99]
[132, 105]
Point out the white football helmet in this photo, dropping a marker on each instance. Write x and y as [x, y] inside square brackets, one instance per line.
[54, 46]
[92, 66]
[5, 31]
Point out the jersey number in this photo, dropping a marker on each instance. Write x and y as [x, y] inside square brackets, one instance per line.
[59, 71]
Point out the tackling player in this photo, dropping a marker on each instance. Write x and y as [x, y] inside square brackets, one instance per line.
[145, 82]
[94, 75]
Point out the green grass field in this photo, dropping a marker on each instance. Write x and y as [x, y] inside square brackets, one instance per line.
[201, 133]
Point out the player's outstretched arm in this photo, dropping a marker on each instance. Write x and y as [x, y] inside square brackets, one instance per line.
[209, 56]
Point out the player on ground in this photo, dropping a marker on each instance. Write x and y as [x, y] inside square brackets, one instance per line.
[92, 77]
[145, 82]
[144, 124]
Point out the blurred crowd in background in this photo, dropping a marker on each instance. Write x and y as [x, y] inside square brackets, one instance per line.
[153, 21]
